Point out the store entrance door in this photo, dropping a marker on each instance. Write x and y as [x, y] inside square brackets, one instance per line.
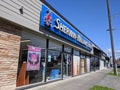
[67, 63]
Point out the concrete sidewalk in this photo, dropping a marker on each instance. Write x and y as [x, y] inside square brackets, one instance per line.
[83, 82]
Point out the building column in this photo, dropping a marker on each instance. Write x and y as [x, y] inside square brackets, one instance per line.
[9, 55]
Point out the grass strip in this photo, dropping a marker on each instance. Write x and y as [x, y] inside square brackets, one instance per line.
[96, 87]
[112, 73]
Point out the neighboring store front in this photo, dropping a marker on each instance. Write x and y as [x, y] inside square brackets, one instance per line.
[47, 49]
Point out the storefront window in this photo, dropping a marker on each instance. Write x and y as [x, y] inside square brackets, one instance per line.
[37, 75]
[31, 65]
[53, 65]
[55, 45]
[76, 52]
[53, 68]
[92, 63]
[67, 49]
[97, 61]
[82, 55]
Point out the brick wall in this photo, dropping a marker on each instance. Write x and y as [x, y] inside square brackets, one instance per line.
[9, 55]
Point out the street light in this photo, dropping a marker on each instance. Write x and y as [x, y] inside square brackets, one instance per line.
[111, 37]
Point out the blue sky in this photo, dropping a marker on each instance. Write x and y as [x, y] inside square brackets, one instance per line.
[90, 17]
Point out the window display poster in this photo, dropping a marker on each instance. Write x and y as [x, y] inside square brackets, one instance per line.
[82, 65]
[88, 64]
[76, 65]
[33, 58]
[55, 58]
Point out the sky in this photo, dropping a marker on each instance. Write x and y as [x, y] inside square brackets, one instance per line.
[91, 18]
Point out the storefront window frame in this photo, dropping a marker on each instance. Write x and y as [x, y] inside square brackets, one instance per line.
[20, 58]
[47, 50]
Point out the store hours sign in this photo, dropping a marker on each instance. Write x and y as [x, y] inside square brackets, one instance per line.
[57, 25]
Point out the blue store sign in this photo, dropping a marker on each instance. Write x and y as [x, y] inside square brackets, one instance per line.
[57, 25]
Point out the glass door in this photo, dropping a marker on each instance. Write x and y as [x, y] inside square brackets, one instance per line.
[67, 63]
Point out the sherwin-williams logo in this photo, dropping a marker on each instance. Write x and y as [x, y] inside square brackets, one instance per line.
[48, 18]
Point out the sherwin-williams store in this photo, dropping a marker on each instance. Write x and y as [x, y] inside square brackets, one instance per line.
[38, 45]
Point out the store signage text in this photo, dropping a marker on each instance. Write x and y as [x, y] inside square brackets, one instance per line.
[64, 29]
[69, 32]
[57, 25]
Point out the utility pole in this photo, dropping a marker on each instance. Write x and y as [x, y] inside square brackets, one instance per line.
[111, 38]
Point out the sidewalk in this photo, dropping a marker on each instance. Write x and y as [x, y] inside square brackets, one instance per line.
[83, 82]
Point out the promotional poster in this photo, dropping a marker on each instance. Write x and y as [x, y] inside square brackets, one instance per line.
[33, 58]
[76, 65]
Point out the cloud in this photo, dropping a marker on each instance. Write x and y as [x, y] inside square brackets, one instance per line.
[117, 51]
[109, 53]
